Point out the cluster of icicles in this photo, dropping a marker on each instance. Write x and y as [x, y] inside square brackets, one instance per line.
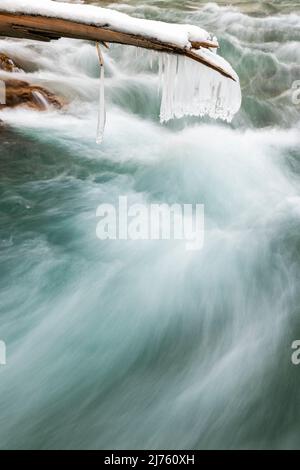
[187, 88]
[191, 88]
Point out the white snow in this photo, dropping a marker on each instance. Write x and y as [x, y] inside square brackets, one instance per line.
[178, 35]
[211, 57]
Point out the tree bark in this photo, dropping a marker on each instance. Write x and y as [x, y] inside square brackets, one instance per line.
[46, 29]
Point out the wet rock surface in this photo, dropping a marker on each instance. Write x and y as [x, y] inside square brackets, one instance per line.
[22, 93]
[8, 64]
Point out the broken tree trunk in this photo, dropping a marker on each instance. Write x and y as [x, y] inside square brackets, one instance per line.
[43, 28]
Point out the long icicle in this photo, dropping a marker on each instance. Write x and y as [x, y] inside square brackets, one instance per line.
[102, 110]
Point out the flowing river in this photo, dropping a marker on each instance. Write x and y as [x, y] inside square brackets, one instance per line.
[131, 345]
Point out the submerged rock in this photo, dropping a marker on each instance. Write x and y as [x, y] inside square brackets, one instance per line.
[22, 93]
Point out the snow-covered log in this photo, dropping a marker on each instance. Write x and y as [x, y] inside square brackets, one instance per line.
[47, 19]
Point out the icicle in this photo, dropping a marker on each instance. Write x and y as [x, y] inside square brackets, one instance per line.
[153, 57]
[191, 88]
[102, 110]
[160, 69]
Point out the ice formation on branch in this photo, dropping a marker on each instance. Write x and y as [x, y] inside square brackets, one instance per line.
[194, 79]
[102, 109]
[191, 88]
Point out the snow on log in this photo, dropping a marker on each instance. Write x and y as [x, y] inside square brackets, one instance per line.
[179, 35]
[91, 22]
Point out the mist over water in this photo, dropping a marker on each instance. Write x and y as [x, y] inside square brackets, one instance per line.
[122, 344]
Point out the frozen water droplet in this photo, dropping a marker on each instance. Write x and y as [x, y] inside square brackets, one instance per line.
[102, 110]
